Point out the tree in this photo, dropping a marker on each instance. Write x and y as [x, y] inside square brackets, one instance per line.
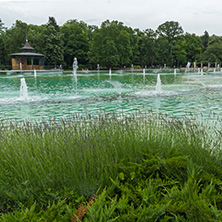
[34, 35]
[112, 39]
[52, 47]
[205, 40]
[2, 28]
[112, 44]
[147, 47]
[2, 44]
[213, 52]
[170, 31]
[14, 39]
[76, 42]
[124, 49]
[52, 22]
[193, 46]
[214, 39]
[161, 51]
[110, 54]
[16, 36]
[179, 52]
[134, 45]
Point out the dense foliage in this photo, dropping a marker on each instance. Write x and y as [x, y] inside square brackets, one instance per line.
[111, 45]
[143, 167]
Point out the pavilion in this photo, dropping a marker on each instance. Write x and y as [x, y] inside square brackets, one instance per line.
[27, 59]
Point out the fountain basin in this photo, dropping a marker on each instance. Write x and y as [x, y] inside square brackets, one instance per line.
[59, 95]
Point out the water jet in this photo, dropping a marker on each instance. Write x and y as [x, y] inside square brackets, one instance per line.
[158, 84]
[75, 66]
[52, 94]
[23, 89]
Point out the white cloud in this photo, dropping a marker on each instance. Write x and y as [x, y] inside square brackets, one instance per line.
[194, 16]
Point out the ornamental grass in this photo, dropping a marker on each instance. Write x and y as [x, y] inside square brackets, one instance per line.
[142, 165]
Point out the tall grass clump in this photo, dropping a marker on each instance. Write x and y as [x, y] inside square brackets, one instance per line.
[82, 153]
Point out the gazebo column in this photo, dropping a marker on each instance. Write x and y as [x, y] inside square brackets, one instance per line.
[32, 62]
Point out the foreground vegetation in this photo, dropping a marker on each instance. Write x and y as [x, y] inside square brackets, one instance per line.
[143, 167]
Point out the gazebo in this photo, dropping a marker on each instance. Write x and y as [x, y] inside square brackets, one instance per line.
[27, 59]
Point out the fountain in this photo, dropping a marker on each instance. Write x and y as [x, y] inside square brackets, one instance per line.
[175, 71]
[194, 65]
[201, 72]
[56, 95]
[158, 84]
[117, 86]
[35, 73]
[144, 71]
[132, 68]
[188, 66]
[98, 68]
[75, 83]
[23, 89]
[75, 66]
[110, 73]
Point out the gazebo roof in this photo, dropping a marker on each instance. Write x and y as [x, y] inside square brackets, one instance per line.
[26, 51]
[30, 54]
[27, 47]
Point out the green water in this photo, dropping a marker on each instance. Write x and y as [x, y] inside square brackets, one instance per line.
[59, 95]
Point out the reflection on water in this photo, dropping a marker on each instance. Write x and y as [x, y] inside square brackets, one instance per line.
[59, 95]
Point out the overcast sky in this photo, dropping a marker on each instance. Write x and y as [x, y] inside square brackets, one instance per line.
[195, 16]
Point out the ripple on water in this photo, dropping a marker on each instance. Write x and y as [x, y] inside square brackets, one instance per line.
[60, 95]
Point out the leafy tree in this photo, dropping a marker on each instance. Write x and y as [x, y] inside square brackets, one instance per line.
[15, 39]
[34, 35]
[193, 46]
[2, 44]
[213, 52]
[134, 44]
[112, 44]
[52, 22]
[214, 39]
[205, 40]
[124, 49]
[2, 50]
[110, 53]
[187, 48]
[16, 36]
[161, 51]
[147, 47]
[52, 46]
[111, 40]
[179, 52]
[170, 30]
[76, 42]
[2, 28]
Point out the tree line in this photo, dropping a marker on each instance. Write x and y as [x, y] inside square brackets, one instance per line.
[111, 45]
